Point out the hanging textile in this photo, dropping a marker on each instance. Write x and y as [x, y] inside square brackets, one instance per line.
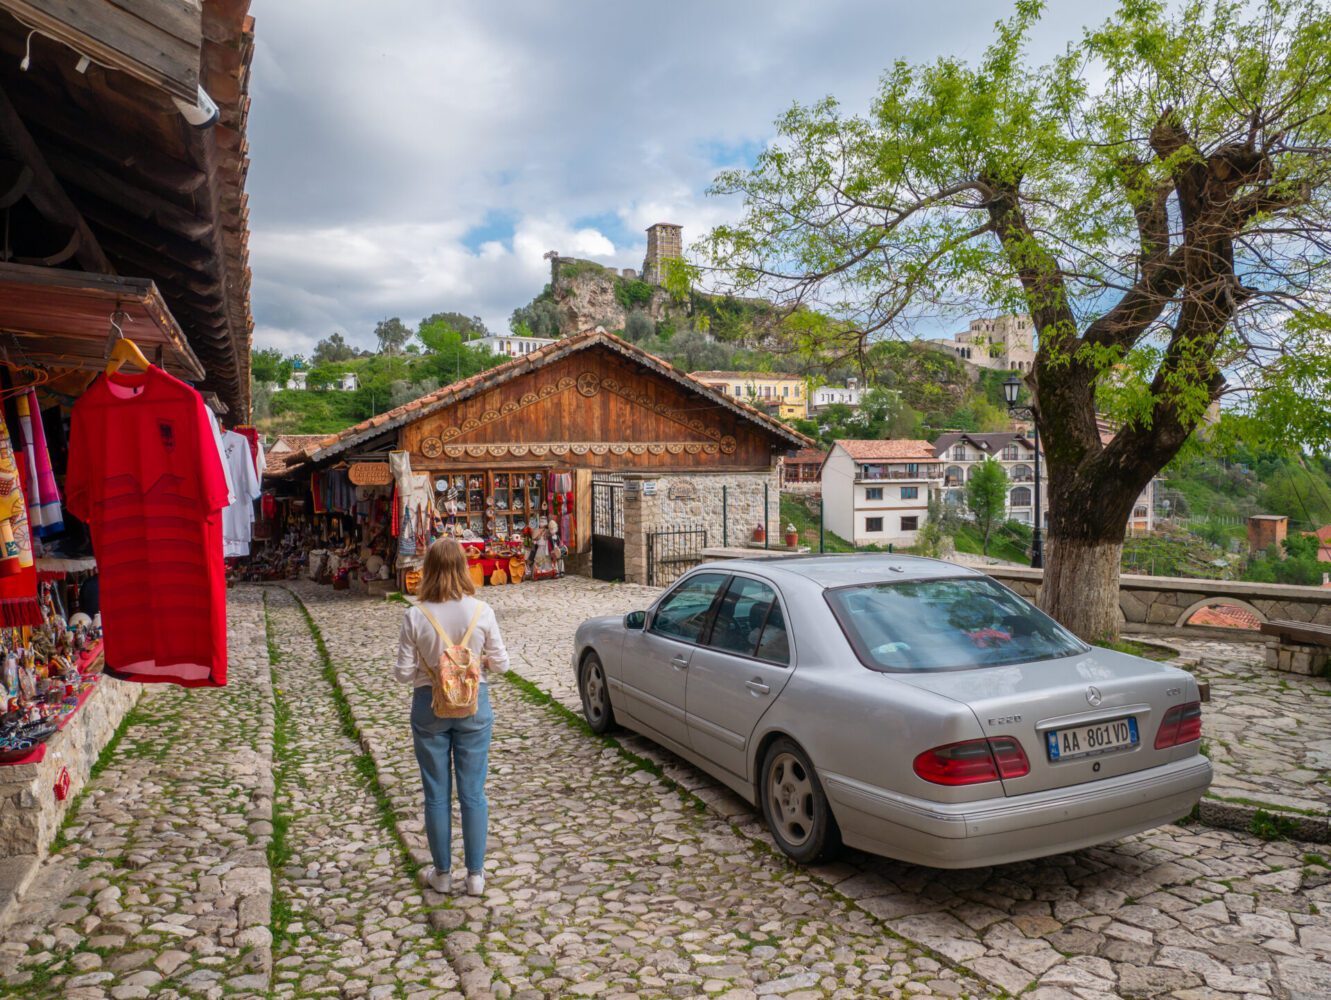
[44, 514]
[146, 473]
[18, 572]
[238, 518]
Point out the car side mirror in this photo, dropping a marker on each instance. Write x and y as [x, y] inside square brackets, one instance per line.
[636, 620]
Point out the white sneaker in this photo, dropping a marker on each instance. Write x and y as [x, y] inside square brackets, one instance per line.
[441, 882]
[475, 884]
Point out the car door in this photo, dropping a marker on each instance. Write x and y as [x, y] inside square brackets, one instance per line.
[737, 673]
[656, 660]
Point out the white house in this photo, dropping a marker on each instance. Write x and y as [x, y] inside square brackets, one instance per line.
[828, 395]
[511, 347]
[877, 492]
[349, 382]
[297, 379]
[961, 452]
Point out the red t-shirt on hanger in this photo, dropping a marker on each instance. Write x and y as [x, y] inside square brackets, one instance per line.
[146, 475]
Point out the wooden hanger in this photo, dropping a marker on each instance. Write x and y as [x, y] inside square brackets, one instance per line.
[122, 348]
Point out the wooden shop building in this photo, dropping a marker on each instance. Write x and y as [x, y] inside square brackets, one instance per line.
[652, 466]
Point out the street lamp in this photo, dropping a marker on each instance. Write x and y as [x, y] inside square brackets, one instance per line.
[1011, 391]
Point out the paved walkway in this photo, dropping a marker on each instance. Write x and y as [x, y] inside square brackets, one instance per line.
[163, 887]
[242, 843]
[1268, 736]
[602, 879]
[1184, 911]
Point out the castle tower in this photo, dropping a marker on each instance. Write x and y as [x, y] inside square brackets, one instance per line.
[665, 240]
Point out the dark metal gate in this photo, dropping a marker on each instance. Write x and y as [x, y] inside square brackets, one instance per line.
[671, 554]
[607, 528]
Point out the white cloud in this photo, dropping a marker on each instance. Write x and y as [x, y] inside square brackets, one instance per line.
[385, 136]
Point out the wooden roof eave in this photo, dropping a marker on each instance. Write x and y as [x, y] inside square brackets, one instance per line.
[538, 359]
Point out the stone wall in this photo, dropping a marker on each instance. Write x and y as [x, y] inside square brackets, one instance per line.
[30, 815]
[1164, 603]
[662, 503]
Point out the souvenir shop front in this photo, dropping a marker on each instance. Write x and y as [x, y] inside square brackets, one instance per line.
[125, 334]
[525, 463]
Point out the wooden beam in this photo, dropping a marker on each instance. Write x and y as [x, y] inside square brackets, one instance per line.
[154, 167]
[157, 41]
[59, 257]
[135, 200]
[45, 191]
[15, 179]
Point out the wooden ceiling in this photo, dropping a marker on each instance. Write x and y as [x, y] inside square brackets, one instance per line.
[100, 172]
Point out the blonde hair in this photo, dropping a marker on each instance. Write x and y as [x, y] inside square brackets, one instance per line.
[444, 577]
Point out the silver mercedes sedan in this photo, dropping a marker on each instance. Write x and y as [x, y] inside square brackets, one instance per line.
[907, 707]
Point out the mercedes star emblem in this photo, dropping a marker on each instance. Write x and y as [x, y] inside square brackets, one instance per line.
[1093, 696]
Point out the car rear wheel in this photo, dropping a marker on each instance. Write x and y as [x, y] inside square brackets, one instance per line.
[595, 695]
[794, 805]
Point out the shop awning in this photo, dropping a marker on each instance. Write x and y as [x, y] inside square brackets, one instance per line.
[61, 320]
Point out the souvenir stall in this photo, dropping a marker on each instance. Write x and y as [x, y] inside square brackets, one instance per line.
[511, 460]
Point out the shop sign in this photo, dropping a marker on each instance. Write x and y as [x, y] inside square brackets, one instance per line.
[683, 489]
[649, 488]
[631, 486]
[370, 474]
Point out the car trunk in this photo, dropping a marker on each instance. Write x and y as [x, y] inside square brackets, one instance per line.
[1068, 697]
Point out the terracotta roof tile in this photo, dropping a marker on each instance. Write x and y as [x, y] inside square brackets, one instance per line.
[893, 449]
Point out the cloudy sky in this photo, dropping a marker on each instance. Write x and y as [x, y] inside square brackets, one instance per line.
[410, 156]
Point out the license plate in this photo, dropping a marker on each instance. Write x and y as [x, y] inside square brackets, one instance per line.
[1097, 738]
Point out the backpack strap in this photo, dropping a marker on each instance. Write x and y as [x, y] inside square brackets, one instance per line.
[466, 638]
[439, 628]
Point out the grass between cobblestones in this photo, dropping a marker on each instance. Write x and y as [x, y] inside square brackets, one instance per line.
[363, 762]
[98, 766]
[279, 850]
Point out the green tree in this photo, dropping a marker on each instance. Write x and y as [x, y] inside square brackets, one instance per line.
[1156, 199]
[269, 367]
[332, 349]
[468, 327]
[986, 498]
[392, 335]
[447, 357]
[540, 317]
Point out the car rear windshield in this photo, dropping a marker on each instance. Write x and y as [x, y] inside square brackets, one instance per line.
[949, 624]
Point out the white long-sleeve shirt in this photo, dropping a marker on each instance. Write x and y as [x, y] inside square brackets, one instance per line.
[419, 645]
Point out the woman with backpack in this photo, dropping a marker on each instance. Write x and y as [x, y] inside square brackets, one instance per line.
[449, 642]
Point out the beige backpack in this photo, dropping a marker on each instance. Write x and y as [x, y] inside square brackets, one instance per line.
[456, 680]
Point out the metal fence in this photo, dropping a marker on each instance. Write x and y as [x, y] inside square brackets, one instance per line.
[671, 554]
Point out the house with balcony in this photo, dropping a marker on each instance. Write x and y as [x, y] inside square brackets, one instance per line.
[877, 492]
[961, 452]
[783, 394]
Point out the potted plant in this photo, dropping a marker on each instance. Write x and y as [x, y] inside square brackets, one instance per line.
[760, 534]
[792, 537]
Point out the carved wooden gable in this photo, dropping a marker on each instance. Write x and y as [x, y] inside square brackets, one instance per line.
[593, 408]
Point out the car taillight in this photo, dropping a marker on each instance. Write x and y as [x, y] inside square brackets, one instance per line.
[973, 761]
[1181, 724]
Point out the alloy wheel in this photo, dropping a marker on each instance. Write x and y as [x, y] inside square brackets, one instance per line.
[790, 794]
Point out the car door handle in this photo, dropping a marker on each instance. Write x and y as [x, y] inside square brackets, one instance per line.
[757, 686]
[680, 662]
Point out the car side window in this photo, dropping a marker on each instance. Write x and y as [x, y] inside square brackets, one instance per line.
[682, 614]
[774, 646]
[741, 616]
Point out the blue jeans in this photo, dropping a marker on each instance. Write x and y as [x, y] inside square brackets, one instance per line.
[465, 743]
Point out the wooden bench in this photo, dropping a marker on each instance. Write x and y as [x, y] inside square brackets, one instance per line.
[1298, 632]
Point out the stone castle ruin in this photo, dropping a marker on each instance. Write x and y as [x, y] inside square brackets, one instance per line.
[664, 241]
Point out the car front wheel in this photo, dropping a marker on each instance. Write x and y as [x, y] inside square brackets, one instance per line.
[595, 695]
[794, 805]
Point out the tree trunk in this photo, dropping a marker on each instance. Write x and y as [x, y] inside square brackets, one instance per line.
[1080, 589]
[1089, 505]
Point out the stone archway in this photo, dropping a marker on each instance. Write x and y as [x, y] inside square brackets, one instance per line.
[1221, 601]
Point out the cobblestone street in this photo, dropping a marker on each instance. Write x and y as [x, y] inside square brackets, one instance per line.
[243, 842]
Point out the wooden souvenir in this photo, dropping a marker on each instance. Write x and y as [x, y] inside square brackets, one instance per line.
[412, 581]
[498, 578]
[477, 573]
[517, 569]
